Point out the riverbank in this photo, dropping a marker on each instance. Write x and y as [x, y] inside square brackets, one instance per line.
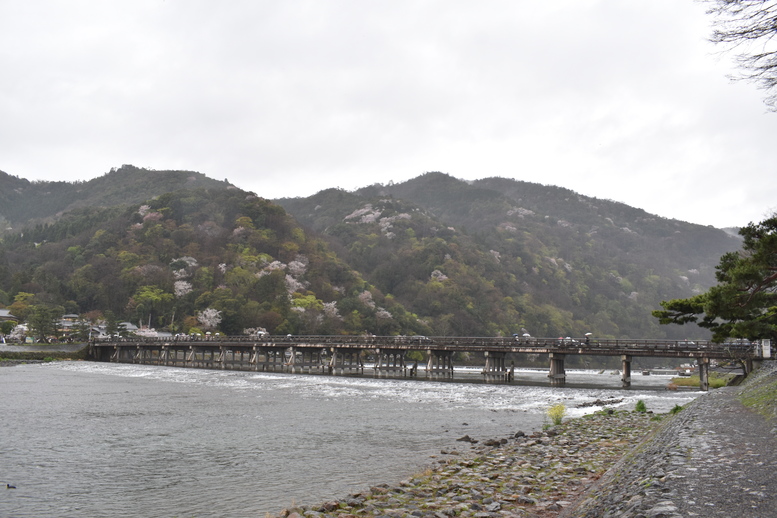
[522, 475]
[19, 354]
[716, 457]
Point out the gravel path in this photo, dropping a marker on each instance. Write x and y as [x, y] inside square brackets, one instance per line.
[716, 458]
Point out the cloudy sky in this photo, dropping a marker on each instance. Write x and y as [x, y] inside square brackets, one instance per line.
[618, 99]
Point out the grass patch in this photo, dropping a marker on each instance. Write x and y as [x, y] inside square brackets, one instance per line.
[761, 396]
[716, 380]
[44, 355]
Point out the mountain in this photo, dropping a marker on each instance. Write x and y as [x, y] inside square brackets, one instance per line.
[172, 261]
[433, 256]
[23, 202]
[497, 255]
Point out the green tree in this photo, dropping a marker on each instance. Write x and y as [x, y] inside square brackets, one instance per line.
[6, 327]
[111, 324]
[81, 330]
[22, 305]
[744, 302]
[149, 299]
[43, 320]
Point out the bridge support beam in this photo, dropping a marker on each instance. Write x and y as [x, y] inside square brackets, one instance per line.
[343, 359]
[273, 356]
[626, 370]
[704, 374]
[496, 366]
[557, 375]
[440, 362]
[391, 361]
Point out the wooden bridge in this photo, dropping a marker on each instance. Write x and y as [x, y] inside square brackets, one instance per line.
[346, 354]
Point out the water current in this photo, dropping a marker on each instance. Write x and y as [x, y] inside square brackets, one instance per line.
[114, 440]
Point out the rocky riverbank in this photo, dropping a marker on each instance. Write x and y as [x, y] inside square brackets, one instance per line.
[539, 474]
[715, 458]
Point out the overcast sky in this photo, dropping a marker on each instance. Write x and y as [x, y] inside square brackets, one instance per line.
[617, 99]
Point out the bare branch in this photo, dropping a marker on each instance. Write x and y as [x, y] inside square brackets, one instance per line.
[750, 28]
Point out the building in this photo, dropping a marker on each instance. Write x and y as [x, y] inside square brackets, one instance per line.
[5, 315]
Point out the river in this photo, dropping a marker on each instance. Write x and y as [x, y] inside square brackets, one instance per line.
[115, 440]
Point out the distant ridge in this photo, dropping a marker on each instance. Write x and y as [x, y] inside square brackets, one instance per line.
[475, 254]
[23, 201]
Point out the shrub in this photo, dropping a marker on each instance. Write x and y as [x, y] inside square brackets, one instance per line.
[556, 413]
[640, 406]
[676, 409]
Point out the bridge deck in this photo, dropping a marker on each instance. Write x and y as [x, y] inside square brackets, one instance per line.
[631, 347]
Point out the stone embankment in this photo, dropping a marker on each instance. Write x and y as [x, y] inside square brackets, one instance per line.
[715, 458]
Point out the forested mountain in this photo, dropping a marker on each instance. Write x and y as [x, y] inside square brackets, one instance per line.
[23, 202]
[165, 262]
[496, 255]
[433, 256]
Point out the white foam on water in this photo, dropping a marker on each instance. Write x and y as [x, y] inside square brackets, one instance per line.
[495, 397]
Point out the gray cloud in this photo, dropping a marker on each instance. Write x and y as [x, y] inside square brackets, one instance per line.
[619, 100]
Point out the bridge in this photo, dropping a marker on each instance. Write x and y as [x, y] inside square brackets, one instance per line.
[345, 354]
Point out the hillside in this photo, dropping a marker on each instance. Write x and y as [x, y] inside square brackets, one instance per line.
[165, 262]
[432, 256]
[497, 255]
[23, 202]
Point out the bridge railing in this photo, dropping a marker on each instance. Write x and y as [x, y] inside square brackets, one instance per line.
[424, 342]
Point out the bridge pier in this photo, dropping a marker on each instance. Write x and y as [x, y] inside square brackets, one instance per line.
[626, 370]
[440, 362]
[346, 359]
[313, 360]
[557, 375]
[704, 374]
[390, 361]
[230, 360]
[496, 366]
[303, 360]
[202, 357]
[273, 358]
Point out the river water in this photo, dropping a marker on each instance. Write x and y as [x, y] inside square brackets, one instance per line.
[114, 440]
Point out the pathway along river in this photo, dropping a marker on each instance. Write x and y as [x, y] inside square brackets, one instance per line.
[113, 440]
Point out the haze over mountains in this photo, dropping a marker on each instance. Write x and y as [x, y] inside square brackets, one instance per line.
[434, 255]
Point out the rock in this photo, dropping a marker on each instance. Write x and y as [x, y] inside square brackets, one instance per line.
[665, 509]
[329, 506]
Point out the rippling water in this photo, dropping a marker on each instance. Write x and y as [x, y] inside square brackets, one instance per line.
[95, 439]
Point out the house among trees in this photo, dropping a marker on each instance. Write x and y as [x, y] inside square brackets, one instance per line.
[6, 316]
